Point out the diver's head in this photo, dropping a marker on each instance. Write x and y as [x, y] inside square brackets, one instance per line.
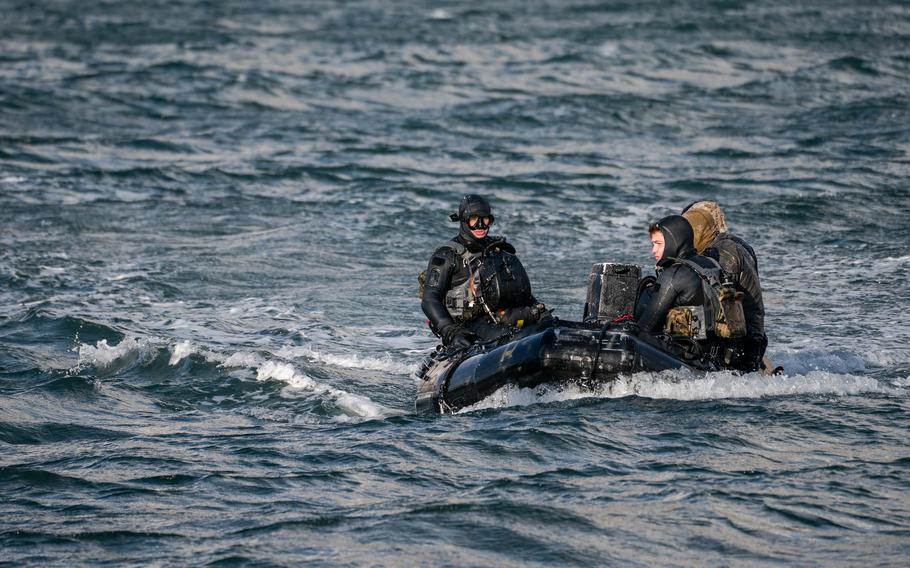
[707, 220]
[475, 216]
[671, 237]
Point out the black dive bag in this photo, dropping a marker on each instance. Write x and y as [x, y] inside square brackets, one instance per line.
[503, 280]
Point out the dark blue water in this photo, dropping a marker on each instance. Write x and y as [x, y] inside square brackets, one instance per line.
[212, 215]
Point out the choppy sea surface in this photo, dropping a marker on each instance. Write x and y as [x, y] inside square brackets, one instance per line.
[212, 215]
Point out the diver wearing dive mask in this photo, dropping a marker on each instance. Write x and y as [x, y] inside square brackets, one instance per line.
[453, 298]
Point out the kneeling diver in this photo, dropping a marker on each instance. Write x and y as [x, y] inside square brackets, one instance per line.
[475, 288]
[684, 279]
[740, 265]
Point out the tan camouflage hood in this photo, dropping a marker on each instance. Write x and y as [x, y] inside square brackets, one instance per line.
[708, 221]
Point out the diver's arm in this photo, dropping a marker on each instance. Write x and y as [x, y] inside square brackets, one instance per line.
[438, 282]
[730, 263]
[661, 299]
[738, 260]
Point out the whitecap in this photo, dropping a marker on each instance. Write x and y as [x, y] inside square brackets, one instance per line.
[800, 362]
[236, 360]
[105, 357]
[385, 363]
[888, 357]
[440, 14]
[181, 351]
[350, 404]
[608, 49]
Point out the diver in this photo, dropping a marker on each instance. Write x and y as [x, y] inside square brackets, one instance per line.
[475, 288]
[738, 261]
[684, 278]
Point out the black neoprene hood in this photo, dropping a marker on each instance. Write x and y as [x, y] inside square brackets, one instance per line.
[474, 205]
[471, 205]
[679, 240]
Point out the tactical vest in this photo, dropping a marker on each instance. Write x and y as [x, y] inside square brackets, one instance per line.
[722, 313]
[496, 280]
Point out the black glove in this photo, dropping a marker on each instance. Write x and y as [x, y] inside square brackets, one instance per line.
[456, 336]
[754, 350]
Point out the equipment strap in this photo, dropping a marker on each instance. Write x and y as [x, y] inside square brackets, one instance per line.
[701, 270]
[458, 248]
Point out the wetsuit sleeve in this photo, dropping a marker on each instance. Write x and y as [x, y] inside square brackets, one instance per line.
[738, 263]
[439, 280]
[730, 263]
[646, 287]
[655, 306]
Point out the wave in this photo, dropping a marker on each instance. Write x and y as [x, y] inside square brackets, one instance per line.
[133, 352]
[108, 359]
[673, 386]
[888, 357]
[350, 404]
[385, 364]
[800, 362]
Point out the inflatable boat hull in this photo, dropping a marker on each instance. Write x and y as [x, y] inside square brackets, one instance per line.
[583, 353]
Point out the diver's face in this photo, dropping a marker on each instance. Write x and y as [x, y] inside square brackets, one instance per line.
[479, 226]
[657, 245]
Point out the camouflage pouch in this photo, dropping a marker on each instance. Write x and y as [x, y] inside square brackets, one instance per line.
[686, 321]
[421, 283]
[731, 323]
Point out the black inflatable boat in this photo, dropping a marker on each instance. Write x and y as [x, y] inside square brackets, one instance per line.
[596, 350]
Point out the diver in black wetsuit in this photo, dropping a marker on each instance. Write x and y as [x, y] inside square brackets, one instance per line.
[738, 261]
[677, 284]
[475, 287]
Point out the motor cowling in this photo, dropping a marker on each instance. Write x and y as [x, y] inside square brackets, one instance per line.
[612, 288]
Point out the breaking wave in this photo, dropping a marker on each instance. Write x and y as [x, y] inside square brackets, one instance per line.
[131, 351]
[109, 359]
[385, 364]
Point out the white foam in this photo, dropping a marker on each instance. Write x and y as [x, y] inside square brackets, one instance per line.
[892, 260]
[608, 49]
[385, 364]
[181, 351]
[235, 360]
[103, 356]
[350, 404]
[51, 270]
[12, 179]
[803, 361]
[130, 350]
[440, 14]
[125, 276]
[888, 358]
[675, 387]
[286, 373]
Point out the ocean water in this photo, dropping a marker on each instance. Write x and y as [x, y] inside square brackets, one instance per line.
[212, 215]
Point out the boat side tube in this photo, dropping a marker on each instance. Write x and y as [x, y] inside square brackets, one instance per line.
[581, 353]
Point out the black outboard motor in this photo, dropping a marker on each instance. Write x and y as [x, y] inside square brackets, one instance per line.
[611, 291]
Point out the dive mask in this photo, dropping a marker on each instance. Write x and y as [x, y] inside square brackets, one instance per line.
[476, 222]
